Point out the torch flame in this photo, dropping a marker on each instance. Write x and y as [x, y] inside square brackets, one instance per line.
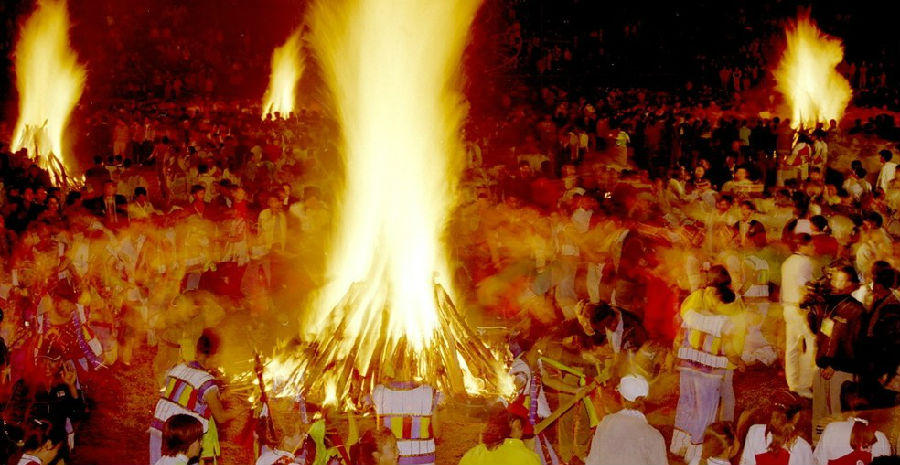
[393, 69]
[807, 77]
[287, 69]
[49, 80]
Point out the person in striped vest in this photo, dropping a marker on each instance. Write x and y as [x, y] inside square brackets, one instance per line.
[192, 389]
[408, 408]
[710, 344]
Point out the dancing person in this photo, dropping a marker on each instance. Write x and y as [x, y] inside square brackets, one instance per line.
[530, 395]
[191, 388]
[404, 401]
[799, 353]
[711, 343]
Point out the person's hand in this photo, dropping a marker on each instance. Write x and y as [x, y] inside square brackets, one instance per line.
[827, 373]
[70, 377]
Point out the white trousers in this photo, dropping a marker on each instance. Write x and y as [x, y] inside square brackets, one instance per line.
[800, 351]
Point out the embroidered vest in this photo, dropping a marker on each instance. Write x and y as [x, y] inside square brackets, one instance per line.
[701, 347]
[186, 384]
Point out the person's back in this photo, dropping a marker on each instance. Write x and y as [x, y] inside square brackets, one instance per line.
[844, 440]
[511, 452]
[626, 437]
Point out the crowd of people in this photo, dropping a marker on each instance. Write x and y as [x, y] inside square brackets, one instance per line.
[709, 268]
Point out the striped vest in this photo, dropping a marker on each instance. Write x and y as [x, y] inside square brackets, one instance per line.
[407, 411]
[701, 348]
[759, 279]
[186, 384]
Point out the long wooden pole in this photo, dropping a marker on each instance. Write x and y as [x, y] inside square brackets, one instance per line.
[563, 408]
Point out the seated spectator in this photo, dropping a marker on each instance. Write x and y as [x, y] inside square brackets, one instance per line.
[625, 436]
[181, 440]
[375, 447]
[720, 445]
[778, 441]
[501, 443]
[42, 443]
[850, 442]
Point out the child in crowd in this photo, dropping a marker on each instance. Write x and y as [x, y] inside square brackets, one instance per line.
[181, 440]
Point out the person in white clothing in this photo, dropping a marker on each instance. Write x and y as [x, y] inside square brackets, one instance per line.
[799, 354]
[625, 436]
[837, 442]
[778, 440]
[888, 170]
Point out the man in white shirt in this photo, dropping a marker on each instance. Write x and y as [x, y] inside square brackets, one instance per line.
[800, 343]
[888, 170]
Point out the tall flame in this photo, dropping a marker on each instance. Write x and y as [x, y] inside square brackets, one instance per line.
[287, 68]
[393, 67]
[49, 80]
[807, 77]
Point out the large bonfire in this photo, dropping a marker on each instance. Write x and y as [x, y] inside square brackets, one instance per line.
[394, 72]
[288, 65]
[807, 75]
[50, 81]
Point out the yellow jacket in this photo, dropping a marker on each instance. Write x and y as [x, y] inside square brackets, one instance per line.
[511, 452]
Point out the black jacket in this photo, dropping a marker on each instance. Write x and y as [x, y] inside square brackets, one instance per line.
[838, 327]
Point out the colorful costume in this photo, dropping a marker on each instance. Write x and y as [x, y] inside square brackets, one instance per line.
[407, 409]
[185, 392]
[712, 334]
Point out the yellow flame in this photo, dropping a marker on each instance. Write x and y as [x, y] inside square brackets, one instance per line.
[331, 397]
[49, 80]
[393, 69]
[506, 384]
[472, 383]
[287, 68]
[807, 77]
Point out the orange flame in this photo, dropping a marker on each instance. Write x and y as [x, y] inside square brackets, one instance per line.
[288, 65]
[807, 77]
[50, 81]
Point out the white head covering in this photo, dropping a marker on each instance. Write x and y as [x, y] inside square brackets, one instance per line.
[633, 386]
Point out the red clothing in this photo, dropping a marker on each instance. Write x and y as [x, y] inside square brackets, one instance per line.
[856, 457]
[662, 306]
[825, 245]
[777, 457]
